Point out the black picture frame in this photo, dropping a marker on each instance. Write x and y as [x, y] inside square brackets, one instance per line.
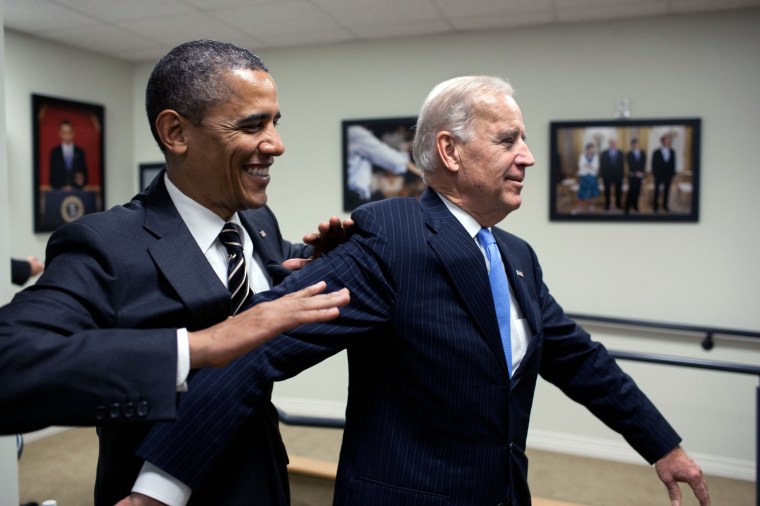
[367, 179]
[68, 183]
[148, 172]
[573, 198]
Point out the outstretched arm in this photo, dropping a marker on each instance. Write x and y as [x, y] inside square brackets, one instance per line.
[219, 344]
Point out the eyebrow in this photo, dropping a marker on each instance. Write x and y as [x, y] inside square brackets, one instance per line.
[256, 117]
[511, 133]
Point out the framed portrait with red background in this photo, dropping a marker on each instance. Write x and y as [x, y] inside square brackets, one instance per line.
[68, 160]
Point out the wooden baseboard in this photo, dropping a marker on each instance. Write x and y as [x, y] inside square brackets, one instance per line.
[327, 470]
[313, 467]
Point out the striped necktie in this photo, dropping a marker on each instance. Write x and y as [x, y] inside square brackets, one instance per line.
[497, 276]
[237, 273]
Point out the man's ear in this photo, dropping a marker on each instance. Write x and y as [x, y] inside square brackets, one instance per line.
[171, 128]
[447, 150]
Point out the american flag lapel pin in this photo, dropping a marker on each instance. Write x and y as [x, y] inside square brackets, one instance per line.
[262, 233]
[519, 273]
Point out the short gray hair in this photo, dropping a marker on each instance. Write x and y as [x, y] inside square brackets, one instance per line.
[449, 106]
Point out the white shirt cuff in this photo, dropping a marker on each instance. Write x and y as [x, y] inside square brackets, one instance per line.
[183, 360]
[161, 486]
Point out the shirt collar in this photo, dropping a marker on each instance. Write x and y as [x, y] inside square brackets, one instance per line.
[204, 224]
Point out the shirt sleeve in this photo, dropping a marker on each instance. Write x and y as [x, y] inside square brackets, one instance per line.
[154, 482]
[183, 360]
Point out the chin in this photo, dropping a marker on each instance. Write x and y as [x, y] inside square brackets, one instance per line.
[256, 199]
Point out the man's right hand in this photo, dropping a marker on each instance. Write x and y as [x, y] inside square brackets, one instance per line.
[136, 499]
[235, 336]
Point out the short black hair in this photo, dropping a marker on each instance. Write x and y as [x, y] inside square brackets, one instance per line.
[191, 77]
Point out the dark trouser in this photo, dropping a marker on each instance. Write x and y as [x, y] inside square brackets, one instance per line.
[663, 181]
[634, 190]
[618, 184]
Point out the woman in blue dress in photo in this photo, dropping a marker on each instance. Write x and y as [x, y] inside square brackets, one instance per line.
[588, 172]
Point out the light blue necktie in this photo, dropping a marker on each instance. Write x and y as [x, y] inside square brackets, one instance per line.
[497, 275]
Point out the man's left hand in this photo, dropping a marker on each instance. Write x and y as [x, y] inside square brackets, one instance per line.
[330, 234]
[677, 466]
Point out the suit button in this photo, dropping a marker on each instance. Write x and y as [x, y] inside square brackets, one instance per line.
[100, 412]
[129, 410]
[115, 410]
[142, 408]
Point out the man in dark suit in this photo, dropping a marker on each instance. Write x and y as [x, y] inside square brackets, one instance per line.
[637, 161]
[663, 170]
[127, 291]
[611, 168]
[441, 377]
[68, 168]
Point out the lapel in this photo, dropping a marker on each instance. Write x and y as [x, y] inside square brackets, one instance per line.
[266, 243]
[463, 261]
[185, 267]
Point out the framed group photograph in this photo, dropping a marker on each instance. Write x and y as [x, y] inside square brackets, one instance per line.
[378, 161]
[68, 157]
[625, 170]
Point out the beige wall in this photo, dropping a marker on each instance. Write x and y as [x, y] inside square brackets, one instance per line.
[702, 273]
[8, 465]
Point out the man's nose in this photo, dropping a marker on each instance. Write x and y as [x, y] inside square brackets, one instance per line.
[273, 145]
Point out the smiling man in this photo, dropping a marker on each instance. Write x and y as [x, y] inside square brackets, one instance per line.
[132, 298]
[449, 326]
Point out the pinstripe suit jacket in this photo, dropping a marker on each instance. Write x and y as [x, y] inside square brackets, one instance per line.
[432, 416]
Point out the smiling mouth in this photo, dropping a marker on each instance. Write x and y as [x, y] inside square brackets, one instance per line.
[257, 171]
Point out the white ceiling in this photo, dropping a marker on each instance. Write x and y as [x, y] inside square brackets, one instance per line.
[139, 30]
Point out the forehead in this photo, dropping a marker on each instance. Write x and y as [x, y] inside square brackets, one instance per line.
[498, 110]
[246, 91]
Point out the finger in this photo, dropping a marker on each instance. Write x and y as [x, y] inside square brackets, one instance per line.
[311, 238]
[309, 291]
[314, 302]
[295, 264]
[323, 307]
[701, 492]
[674, 492]
[332, 223]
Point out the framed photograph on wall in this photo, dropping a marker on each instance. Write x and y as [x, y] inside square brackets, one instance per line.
[625, 170]
[148, 172]
[378, 161]
[68, 154]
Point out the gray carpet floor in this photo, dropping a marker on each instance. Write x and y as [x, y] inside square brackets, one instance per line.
[62, 467]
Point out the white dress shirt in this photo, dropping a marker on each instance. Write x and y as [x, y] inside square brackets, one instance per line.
[204, 225]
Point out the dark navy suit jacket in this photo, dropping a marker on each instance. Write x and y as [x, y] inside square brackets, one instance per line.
[60, 175]
[128, 278]
[432, 416]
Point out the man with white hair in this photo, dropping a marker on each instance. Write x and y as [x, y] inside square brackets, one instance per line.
[449, 326]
